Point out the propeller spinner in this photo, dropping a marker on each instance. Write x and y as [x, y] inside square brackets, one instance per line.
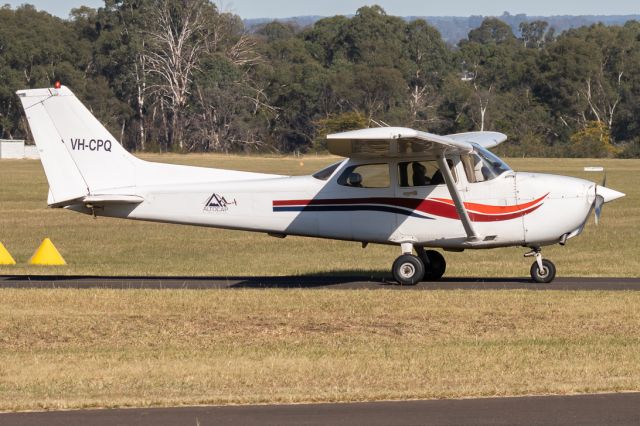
[604, 195]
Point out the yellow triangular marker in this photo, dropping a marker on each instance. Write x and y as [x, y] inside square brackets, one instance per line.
[47, 254]
[5, 256]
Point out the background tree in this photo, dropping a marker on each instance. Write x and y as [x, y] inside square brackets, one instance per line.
[429, 62]
[536, 34]
[182, 75]
[176, 43]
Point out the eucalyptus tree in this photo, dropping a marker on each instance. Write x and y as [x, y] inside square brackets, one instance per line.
[429, 62]
[30, 58]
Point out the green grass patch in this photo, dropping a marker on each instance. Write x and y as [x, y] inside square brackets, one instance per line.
[119, 247]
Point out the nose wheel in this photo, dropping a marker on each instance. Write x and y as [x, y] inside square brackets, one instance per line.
[543, 271]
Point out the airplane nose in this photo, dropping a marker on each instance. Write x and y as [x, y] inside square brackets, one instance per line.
[608, 194]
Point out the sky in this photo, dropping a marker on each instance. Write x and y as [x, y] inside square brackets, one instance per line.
[287, 8]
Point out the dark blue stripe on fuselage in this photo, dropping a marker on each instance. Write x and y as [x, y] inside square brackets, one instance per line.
[372, 208]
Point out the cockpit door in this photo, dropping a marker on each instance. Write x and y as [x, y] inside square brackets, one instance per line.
[490, 196]
[419, 187]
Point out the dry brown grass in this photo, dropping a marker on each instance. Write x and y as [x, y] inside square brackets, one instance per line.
[118, 247]
[105, 348]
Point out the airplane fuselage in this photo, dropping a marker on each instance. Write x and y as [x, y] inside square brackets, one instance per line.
[513, 209]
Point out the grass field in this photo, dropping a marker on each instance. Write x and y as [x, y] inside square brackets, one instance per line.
[107, 348]
[115, 247]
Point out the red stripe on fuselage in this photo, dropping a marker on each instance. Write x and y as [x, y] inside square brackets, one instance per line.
[438, 207]
[489, 209]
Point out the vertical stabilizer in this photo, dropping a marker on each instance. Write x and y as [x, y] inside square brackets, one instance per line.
[79, 155]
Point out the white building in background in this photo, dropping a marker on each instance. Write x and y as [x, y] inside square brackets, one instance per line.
[16, 149]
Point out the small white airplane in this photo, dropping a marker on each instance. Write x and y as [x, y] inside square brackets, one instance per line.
[396, 186]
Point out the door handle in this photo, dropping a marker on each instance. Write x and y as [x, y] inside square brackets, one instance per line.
[410, 193]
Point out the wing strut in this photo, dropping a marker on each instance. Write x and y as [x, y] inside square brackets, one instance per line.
[455, 196]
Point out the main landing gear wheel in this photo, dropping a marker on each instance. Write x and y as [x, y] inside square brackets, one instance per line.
[408, 270]
[434, 263]
[544, 275]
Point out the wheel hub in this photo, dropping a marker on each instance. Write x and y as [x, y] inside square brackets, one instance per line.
[407, 270]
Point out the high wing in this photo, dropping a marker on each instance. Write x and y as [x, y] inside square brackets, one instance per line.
[404, 142]
[484, 139]
[392, 142]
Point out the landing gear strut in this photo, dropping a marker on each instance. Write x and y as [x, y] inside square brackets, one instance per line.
[410, 270]
[543, 271]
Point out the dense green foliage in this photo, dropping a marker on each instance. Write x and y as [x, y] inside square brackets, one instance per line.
[178, 75]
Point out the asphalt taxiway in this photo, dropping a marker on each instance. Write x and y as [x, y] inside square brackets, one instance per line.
[602, 410]
[311, 281]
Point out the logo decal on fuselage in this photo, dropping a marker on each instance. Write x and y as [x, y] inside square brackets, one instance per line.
[218, 203]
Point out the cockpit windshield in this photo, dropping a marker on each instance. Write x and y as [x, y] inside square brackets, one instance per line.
[495, 165]
[482, 165]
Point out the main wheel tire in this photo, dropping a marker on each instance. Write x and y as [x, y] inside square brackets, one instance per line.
[435, 265]
[546, 275]
[408, 270]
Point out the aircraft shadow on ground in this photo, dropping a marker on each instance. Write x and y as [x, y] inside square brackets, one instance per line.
[334, 279]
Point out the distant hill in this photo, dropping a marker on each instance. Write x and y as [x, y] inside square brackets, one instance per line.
[301, 21]
[456, 28]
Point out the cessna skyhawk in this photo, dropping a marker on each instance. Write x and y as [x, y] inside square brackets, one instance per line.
[395, 186]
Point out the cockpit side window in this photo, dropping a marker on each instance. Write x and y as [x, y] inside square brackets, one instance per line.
[366, 176]
[422, 173]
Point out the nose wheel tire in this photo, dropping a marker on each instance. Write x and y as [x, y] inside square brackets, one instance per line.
[546, 275]
[408, 270]
[435, 265]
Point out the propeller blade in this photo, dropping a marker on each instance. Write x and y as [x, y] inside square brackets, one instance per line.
[598, 203]
[604, 180]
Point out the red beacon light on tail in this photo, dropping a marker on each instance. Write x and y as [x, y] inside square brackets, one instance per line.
[57, 85]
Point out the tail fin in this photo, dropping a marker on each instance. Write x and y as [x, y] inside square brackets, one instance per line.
[80, 157]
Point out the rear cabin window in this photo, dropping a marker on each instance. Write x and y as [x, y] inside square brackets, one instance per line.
[422, 173]
[366, 176]
[326, 173]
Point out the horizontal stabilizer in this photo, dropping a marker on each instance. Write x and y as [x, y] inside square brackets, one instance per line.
[101, 200]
